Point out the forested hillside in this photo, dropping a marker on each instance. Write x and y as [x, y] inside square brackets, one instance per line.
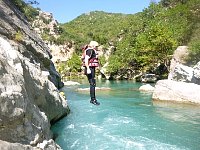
[97, 25]
[144, 39]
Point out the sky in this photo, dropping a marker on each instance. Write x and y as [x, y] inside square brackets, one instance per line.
[67, 10]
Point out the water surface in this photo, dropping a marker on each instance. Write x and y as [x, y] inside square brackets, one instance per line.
[126, 120]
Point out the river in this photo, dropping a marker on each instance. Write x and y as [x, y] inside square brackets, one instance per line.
[127, 119]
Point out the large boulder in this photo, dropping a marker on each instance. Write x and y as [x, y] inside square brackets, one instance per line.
[183, 82]
[182, 73]
[186, 74]
[179, 57]
[180, 70]
[168, 90]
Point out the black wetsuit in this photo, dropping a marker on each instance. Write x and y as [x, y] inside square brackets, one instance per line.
[91, 77]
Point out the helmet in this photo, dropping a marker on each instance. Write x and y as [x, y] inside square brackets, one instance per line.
[93, 44]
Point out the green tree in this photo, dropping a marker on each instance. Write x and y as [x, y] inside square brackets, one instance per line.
[74, 63]
[157, 44]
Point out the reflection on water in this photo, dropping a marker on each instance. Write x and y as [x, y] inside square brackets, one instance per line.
[189, 113]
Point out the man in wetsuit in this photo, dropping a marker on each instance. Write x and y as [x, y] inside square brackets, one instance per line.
[91, 62]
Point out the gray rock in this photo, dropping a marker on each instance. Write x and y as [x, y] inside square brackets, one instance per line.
[29, 95]
[186, 74]
[148, 78]
[182, 73]
[180, 69]
[147, 88]
[196, 73]
[179, 57]
[168, 90]
[183, 82]
[46, 145]
[15, 146]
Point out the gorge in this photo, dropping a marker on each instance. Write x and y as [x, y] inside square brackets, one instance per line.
[30, 100]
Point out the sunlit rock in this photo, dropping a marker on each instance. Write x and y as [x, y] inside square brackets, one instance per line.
[147, 88]
[71, 83]
[168, 90]
[179, 57]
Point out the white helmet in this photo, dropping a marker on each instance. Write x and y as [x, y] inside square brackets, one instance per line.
[93, 44]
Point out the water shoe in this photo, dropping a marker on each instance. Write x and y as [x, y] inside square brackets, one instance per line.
[94, 102]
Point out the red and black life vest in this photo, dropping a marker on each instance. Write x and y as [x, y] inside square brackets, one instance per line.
[93, 60]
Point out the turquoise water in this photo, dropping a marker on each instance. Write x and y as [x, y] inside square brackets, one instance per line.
[127, 119]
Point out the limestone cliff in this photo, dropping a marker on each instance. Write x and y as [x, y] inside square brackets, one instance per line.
[45, 24]
[29, 83]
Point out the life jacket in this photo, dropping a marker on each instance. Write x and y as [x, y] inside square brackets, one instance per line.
[93, 61]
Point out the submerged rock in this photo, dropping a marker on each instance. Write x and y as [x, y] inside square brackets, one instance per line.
[97, 88]
[71, 83]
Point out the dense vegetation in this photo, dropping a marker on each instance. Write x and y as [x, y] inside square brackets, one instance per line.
[97, 25]
[145, 39]
[142, 40]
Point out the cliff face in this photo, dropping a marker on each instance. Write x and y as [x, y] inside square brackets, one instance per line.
[45, 25]
[29, 96]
